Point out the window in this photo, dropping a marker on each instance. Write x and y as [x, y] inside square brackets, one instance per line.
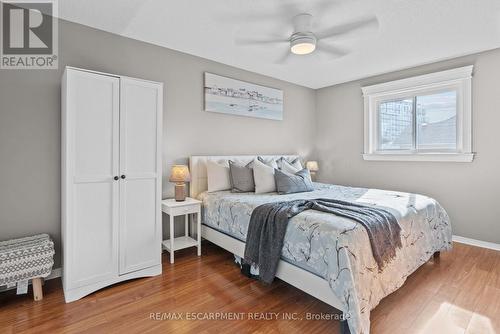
[424, 118]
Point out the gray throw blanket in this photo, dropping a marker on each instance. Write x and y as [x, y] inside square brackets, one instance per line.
[268, 224]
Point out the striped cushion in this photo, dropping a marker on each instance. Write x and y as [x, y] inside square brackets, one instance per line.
[25, 258]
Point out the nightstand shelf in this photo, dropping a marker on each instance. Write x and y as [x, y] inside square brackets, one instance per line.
[180, 243]
[185, 208]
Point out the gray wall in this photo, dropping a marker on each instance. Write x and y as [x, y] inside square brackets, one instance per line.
[30, 121]
[30, 132]
[468, 191]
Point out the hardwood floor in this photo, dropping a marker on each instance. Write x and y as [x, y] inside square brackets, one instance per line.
[458, 293]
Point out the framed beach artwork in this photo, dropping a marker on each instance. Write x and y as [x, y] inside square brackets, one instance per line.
[235, 97]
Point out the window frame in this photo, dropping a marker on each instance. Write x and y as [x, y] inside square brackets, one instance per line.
[459, 80]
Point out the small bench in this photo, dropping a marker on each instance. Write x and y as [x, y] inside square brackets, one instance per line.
[26, 258]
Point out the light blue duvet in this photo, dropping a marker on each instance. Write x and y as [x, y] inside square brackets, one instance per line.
[338, 249]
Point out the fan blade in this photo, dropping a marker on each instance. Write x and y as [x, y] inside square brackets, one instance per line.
[336, 51]
[352, 27]
[257, 41]
[284, 58]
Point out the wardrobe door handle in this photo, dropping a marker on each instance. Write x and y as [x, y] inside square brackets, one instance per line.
[116, 178]
[123, 176]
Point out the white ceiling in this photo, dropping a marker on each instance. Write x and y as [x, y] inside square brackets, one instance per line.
[410, 33]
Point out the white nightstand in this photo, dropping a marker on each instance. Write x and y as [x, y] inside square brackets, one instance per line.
[187, 207]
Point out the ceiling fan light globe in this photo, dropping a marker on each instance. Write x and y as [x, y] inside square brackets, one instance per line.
[303, 48]
[302, 43]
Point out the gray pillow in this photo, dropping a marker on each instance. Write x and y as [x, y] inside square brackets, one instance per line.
[290, 167]
[270, 162]
[293, 183]
[284, 164]
[241, 177]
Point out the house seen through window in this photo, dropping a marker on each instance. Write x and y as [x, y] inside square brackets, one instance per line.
[423, 118]
[423, 122]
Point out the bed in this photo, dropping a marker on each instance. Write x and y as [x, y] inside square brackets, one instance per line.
[327, 256]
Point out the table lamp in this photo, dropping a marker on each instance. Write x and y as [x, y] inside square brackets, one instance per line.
[313, 168]
[180, 175]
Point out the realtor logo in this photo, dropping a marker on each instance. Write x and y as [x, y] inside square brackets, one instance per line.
[29, 37]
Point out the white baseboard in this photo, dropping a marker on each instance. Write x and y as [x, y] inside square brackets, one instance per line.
[477, 243]
[56, 273]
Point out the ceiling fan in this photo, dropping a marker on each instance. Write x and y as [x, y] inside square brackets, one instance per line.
[304, 41]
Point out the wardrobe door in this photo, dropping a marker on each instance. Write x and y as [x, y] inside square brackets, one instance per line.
[91, 194]
[140, 165]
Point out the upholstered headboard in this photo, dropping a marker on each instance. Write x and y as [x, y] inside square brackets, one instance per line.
[198, 168]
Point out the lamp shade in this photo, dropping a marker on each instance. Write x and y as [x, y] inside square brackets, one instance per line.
[312, 166]
[180, 173]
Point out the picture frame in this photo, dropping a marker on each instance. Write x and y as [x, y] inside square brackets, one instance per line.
[235, 97]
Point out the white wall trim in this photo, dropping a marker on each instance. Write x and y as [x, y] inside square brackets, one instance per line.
[458, 80]
[56, 273]
[421, 80]
[451, 157]
[477, 243]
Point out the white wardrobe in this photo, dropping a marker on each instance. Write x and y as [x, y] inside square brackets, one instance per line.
[111, 180]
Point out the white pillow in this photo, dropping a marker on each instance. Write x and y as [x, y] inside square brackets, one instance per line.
[291, 167]
[218, 176]
[264, 177]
